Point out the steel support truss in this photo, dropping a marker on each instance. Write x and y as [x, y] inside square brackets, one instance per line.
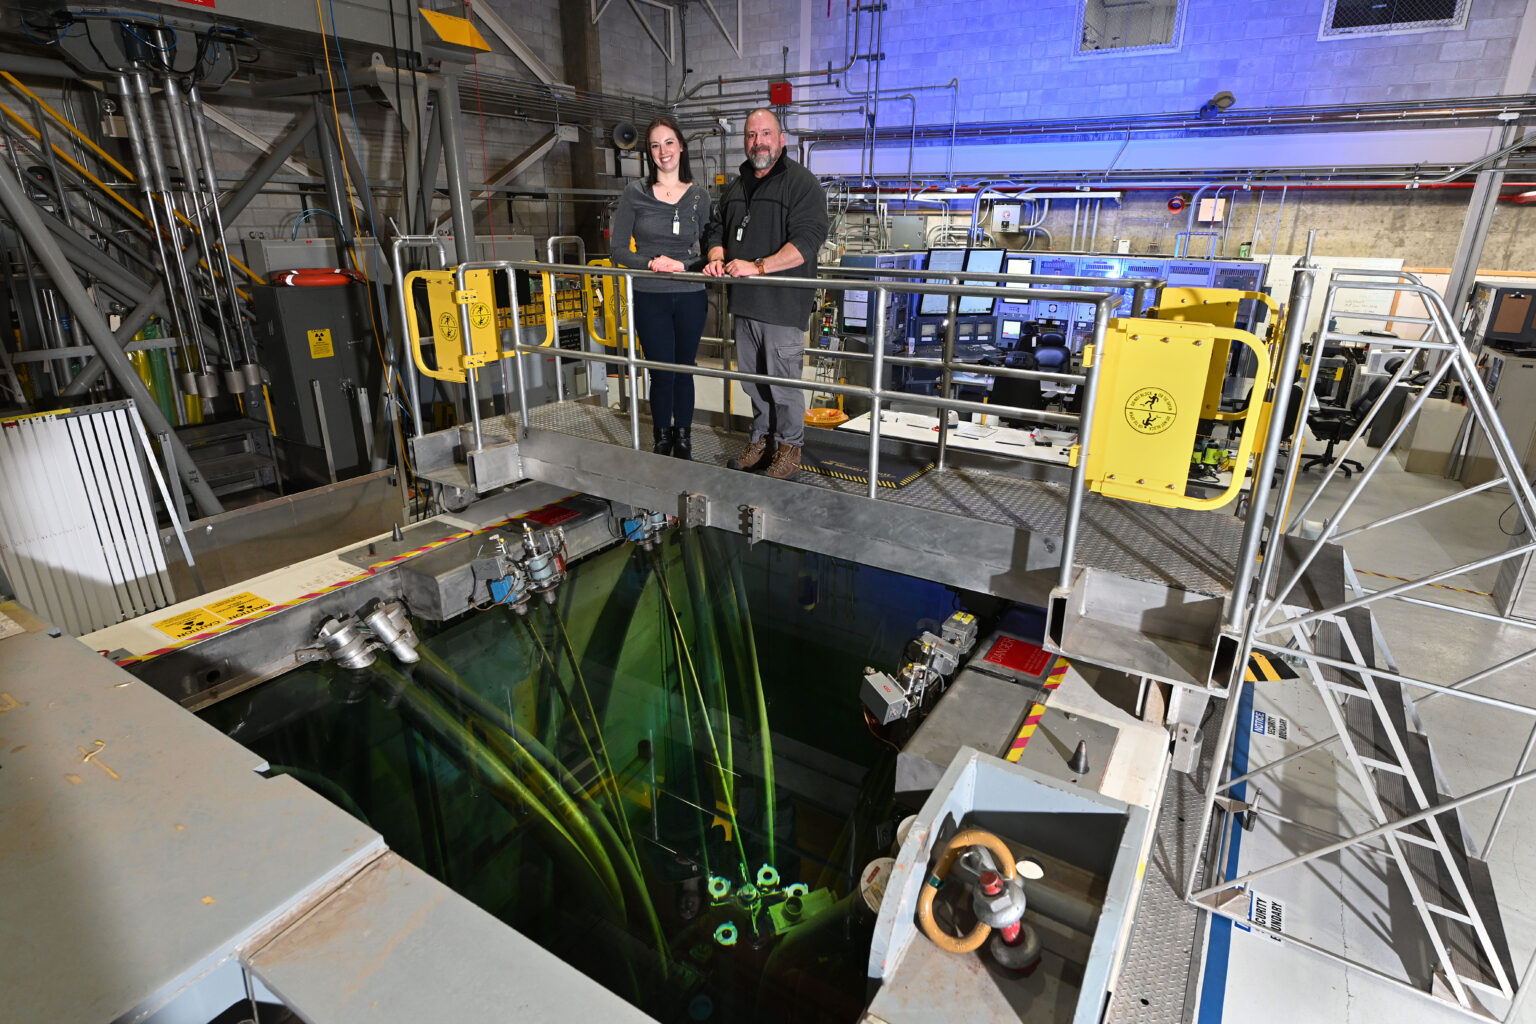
[1308, 605]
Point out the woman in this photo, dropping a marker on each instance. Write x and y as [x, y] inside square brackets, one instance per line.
[658, 226]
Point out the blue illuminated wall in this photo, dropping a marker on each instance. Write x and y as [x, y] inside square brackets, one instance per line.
[1014, 60]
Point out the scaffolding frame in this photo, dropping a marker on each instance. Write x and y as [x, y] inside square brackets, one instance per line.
[1369, 697]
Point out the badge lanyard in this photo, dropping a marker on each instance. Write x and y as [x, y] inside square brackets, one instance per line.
[743, 226]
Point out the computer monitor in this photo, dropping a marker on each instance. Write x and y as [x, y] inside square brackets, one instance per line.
[985, 261]
[1020, 265]
[952, 260]
[1013, 330]
[856, 311]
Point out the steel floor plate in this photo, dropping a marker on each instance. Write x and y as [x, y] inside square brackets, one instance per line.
[1156, 984]
[1192, 550]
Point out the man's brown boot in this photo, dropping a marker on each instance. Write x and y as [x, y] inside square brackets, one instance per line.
[751, 456]
[786, 461]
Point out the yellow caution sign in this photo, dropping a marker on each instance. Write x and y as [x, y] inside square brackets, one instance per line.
[320, 345]
[189, 623]
[239, 606]
[1152, 378]
[449, 307]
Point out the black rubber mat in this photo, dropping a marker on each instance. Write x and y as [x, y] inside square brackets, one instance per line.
[895, 472]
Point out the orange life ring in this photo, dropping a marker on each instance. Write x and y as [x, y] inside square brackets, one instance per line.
[312, 277]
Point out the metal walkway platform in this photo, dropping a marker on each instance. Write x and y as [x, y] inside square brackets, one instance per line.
[1187, 550]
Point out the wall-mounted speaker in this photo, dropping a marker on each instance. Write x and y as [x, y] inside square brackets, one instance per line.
[625, 136]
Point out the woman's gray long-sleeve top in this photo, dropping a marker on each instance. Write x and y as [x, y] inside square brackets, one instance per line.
[649, 222]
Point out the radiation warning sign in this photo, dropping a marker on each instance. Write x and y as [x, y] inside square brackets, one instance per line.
[320, 344]
[239, 606]
[1151, 411]
[189, 623]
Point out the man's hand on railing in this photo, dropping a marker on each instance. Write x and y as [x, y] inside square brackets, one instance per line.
[742, 268]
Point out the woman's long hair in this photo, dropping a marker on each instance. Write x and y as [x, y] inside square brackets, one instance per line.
[684, 171]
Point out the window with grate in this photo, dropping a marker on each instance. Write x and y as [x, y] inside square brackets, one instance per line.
[1129, 26]
[1376, 17]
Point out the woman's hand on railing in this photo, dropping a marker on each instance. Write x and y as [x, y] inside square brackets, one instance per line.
[666, 265]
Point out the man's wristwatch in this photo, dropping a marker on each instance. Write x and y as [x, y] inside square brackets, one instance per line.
[760, 268]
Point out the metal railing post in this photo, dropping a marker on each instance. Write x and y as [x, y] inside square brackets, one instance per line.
[517, 359]
[1079, 483]
[1290, 359]
[946, 375]
[403, 299]
[634, 370]
[877, 392]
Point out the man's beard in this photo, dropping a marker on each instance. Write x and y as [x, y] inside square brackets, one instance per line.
[761, 160]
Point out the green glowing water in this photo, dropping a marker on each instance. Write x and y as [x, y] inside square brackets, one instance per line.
[640, 775]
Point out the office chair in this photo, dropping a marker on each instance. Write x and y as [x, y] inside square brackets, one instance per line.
[1053, 355]
[1335, 425]
[1292, 421]
[1014, 391]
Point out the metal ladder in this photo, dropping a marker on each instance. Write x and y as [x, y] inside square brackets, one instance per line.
[1310, 604]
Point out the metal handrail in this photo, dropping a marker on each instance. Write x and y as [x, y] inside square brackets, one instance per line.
[402, 296]
[1104, 302]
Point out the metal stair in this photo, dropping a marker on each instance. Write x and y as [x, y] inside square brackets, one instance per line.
[1311, 606]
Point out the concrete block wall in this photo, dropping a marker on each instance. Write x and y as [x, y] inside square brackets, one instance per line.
[1012, 62]
[1016, 63]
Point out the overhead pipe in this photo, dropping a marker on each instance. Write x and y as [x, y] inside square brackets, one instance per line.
[782, 77]
[330, 159]
[88, 318]
[1494, 111]
[453, 157]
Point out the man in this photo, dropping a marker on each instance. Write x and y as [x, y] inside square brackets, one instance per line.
[771, 220]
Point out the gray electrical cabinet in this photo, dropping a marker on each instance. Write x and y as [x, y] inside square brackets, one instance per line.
[318, 347]
[1511, 381]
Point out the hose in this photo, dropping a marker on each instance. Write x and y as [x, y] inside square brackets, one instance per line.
[503, 784]
[726, 782]
[738, 593]
[972, 940]
[513, 743]
[706, 636]
[597, 728]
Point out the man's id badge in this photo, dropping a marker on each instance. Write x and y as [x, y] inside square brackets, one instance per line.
[738, 234]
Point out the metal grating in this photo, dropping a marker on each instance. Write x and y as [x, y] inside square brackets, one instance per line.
[1191, 550]
[1156, 979]
[1112, 26]
[1380, 17]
